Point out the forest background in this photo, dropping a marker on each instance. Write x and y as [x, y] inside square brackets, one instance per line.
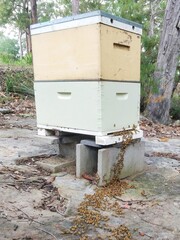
[160, 55]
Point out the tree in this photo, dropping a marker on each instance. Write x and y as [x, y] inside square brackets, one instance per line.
[9, 48]
[47, 10]
[21, 14]
[34, 17]
[64, 8]
[75, 7]
[158, 106]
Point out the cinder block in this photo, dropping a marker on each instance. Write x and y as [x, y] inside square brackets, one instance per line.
[132, 164]
[86, 160]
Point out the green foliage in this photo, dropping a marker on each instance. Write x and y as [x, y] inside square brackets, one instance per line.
[175, 107]
[9, 49]
[14, 12]
[46, 11]
[25, 61]
[19, 80]
[92, 5]
[148, 66]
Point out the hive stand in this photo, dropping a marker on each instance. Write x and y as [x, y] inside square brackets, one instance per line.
[98, 155]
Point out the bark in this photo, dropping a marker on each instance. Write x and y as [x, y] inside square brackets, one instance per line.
[75, 7]
[169, 49]
[20, 44]
[28, 40]
[154, 4]
[34, 18]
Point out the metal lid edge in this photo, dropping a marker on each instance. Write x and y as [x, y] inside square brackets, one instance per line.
[85, 15]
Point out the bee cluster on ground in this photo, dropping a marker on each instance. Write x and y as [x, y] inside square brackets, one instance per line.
[91, 212]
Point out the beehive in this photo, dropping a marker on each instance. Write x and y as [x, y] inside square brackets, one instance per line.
[87, 72]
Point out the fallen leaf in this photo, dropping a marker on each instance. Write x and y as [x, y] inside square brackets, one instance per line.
[50, 179]
[143, 193]
[164, 139]
[126, 206]
[88, 177]
[141, 234]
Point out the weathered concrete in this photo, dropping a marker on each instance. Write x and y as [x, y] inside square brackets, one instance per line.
[156, 145]
[86, 160]
[151, 209]
[132, 164]
[73, 190]
[15, 142]
[67, 144]
[90, 159]
[55, 164]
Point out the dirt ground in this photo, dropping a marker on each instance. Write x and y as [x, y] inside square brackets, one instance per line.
[35, 204]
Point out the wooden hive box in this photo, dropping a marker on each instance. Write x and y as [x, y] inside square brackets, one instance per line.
[87, 72]
[92, 46]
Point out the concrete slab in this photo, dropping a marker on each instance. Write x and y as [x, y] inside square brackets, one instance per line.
[49, 139]
[156, 145]
[55, 164]
[151, 210]
[74, 190]
[20, 141]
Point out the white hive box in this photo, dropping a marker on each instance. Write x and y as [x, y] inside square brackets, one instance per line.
[94, 108]
[87, 72]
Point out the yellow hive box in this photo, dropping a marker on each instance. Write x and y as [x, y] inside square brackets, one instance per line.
[92, 46]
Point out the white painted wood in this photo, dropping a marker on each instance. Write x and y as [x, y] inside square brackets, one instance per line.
[70, 130]
[110, 139]
[105, 140]
[93, 107]
[46, 132]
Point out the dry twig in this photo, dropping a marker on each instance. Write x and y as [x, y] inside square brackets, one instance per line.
[28, 217]
[43, 230]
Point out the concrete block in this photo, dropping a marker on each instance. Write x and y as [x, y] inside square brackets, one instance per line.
[67, 144]
[55, 164]
[86, 160]
[132, 164]
[49, 139]
[68, 150]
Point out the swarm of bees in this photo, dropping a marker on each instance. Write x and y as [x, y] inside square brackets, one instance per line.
[91, 211]
[127, 140]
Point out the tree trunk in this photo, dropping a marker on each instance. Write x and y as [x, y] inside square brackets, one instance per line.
[28, 40]
[75, 7]
[159, 104]
[154, 4]
[34, 18]
[20, 44]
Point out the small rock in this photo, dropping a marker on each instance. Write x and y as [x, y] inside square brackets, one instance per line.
[5, 111]
[176, 123]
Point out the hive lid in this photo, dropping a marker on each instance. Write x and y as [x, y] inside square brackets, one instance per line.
[86, 19]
